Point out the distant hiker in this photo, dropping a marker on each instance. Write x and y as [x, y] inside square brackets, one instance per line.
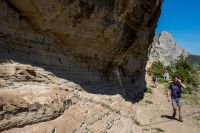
[166, 75]
[174, 95]
[154, 80]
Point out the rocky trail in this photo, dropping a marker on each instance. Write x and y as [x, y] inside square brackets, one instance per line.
[154, 111]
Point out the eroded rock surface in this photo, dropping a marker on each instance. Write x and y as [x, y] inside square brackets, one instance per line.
[166, 50]
[87, 41]
[44, 103]
[78, 63]
[29, 96]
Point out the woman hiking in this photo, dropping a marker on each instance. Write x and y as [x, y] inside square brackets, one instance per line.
[174, 95]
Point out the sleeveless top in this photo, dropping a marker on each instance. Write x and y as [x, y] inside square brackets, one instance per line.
[175, 90]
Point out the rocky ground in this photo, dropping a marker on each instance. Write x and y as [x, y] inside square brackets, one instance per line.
[34, 100]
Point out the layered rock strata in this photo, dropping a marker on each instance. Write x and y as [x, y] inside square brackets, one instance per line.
[53, 52]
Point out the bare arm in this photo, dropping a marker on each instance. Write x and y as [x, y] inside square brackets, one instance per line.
[168, 95]
[169, 92]
[182, 85]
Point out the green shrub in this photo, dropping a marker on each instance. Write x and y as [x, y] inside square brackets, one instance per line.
[183, 65]
[188, 89]
[194, 79]
[186, 71]
[161, 80]
[183, 74]
[149, 90]
[157, 69]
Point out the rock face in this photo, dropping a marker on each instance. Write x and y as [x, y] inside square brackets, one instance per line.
[30, 95]
[86, 41]
[26, 98]
[165, 50]
[53, 52]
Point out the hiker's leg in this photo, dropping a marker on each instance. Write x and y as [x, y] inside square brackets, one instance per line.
[174, 105]
[179, 111]
[180, 117]
[174, 113]
[174, 110]
[179, 103]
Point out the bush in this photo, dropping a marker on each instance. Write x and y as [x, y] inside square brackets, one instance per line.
[188, 89]
[187, 72]
[183, 65]
[183, 74]
[162, 80]
[157, 69]
[195, 80]
[149, 90]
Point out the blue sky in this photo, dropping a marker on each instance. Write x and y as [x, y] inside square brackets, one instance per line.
[181, 18]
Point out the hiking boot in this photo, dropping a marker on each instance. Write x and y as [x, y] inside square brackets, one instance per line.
[180, 119]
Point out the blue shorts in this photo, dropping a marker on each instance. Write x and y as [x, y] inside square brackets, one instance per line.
[176, 102]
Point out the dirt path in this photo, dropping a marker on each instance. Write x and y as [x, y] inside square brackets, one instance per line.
[154, 111]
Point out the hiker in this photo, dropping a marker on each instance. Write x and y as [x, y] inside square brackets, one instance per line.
[154, 80]
[166, 75]
[174, 95]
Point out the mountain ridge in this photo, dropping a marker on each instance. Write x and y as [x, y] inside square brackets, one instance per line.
[165, 50]
[193, 59]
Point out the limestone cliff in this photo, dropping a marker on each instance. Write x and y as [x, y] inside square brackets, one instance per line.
[53, 52]
[90, 42]
[166, 50]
